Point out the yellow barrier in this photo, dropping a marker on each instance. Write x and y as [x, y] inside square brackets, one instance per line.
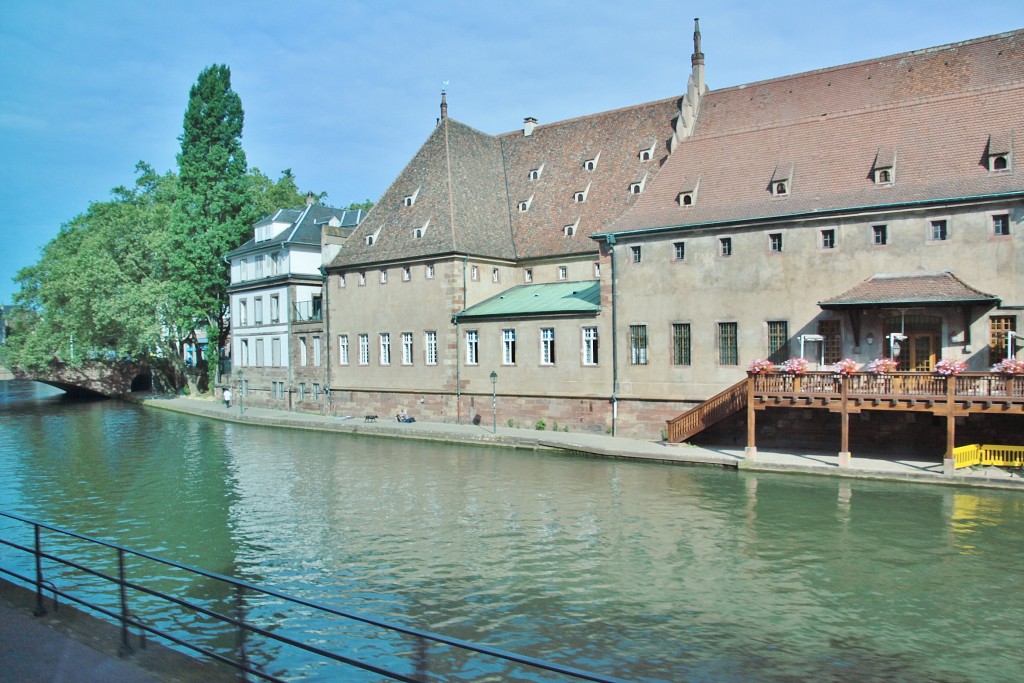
[987, 454]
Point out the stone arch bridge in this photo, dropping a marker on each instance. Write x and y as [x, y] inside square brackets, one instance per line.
[113, 379]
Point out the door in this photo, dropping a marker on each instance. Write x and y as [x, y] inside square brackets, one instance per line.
[921, 348]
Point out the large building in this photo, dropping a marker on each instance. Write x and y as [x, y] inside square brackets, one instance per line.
[608, 272]
[278, 344]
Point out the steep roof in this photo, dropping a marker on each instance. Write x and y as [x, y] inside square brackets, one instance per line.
[941, 288]
[465, 188]
[304, 226]
[452, 192]
[931, 113]
[541, 299]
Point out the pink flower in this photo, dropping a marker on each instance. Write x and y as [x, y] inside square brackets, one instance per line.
[1009, 366]
[759, 366]
[880, 366]
[846, 366]
[795, 366]
[949, 366]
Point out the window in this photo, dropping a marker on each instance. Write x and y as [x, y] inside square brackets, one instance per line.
[828, 238]
[383, 277]
[939, 231]
[343, 349]
[563, 272]
[579, 197]
[780, 189]
[680, 343]
[341, 281]
[635, 254]
[1001, 224]
[547, 346]
[406, 274]
[590, 164]
[528, 275]
[429, 271]
[569, 230]
[302, 392]
[430, 347]
[508, 347]
[778, 341]
[680, 250]
[831, 330]
[998, 162]
[362, 279]
[636, 188]
[316, 351]
[998, 327]
[879, 235]
[728, 350]
[534, 174]
[638, 344]
[318, 307]
[495, 275]
[258, 263]
[275, 352]
[244, 352]
[364, 349]
[302, 351]
[277, 390]
[407, 348]
[474, 273]
[472, 347]
[316, 392]
[243, 269]
[275, 309]
[243, 312]
[775, 242]
[883, 176]
[725, 246]
[523, 206]
[417, 234]
[685, 199]
[408, 201]
[369, 240]
[259, 353]
[257, 310]
[590, 346]
[385, 348]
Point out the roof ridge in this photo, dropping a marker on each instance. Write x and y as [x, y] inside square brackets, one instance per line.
[575, 119]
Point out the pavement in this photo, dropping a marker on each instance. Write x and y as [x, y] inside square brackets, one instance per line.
[605, 445]
[69, 645]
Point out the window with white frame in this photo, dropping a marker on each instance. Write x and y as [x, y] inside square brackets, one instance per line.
[508, 347]
[362, 279]
[406, 274]
[680, 250]
[430, 347]
[1001, 224]
[343, 349]
[385, 348]
[879, 235]
[635, 254]
[938, 230]
[407, 348]
[775, 242]
[563, 272]
[590, 349]
[243, 270]
[474, 273]
[275, 308]
[303, 351]
[258, 262]
[260, 359]
[472, 347]
[547, 346]
[257, 310]
[341, 281]
[528, 275]
[495, 275]
[725, 246]
[383, 277]
[364, 348]
[828, 238]
[243, 312]
[275, 352]
[244, 351]
[429, 271]
[316, 351]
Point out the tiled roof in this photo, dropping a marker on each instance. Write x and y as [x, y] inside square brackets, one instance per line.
[917, 289]
[305, 226]
[931, 113]
[541, 299]
[467, 186]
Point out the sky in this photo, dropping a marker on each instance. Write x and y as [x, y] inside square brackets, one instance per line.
[344, 93]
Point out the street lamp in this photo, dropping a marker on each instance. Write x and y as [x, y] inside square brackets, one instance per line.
[494, 401]
[241, 411]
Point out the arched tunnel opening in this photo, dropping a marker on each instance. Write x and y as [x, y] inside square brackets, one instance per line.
[143, 382]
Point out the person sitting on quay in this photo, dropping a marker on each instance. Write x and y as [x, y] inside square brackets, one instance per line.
[403, 416]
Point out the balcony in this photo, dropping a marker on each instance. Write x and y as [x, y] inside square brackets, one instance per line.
[308, 311]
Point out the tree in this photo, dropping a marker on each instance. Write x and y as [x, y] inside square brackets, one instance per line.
[213, 213]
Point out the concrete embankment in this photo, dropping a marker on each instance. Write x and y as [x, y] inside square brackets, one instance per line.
[604, 445]
[5, 374]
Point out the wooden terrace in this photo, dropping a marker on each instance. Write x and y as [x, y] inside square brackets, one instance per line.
[945, 396]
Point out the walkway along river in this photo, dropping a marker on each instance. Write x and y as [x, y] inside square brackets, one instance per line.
[644, 571]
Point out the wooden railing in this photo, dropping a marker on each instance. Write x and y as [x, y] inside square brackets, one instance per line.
[987, 454]
[715, 409]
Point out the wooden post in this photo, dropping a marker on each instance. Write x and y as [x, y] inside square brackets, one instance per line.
[844, 417]
[750, 454]
[949, 462]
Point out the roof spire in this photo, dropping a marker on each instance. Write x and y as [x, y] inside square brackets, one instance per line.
[444, 101]
[697, 54]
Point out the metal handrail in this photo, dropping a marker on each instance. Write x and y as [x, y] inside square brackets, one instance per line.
[127, 619]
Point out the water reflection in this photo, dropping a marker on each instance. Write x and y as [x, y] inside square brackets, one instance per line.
[643, 571]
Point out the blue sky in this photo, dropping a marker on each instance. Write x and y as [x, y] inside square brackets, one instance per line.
[343, 93]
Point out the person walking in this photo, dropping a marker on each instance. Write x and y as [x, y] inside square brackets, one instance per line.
[227, 397]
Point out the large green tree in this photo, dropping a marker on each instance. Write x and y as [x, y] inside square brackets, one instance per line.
[214, 211]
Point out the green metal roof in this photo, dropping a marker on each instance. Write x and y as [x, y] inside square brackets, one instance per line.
[546, 299]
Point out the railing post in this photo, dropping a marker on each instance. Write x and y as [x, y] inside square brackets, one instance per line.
[243, 655]
[949, 460]
[126, 648]
[422, 664]
[844, 421]
[40, 609]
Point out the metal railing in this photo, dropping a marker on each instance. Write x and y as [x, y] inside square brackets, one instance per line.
[131, 598]
[307, 311]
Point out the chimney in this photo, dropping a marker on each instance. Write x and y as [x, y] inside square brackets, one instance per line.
[444, 105]
[310, 199]
[529, 123]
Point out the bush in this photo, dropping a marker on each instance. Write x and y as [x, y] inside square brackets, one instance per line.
[541, 425]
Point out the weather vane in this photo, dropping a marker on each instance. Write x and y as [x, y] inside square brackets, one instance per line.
[444, 86]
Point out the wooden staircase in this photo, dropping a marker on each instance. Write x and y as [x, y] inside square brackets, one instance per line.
[711, 411]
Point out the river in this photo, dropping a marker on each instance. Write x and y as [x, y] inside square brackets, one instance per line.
[644, 571]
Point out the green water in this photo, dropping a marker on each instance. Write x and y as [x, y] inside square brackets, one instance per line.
[647, 572]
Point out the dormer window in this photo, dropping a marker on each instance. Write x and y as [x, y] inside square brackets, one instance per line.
[524, 206]
[409, 200]
[535, 173]
[579, 197]
[782, 178]
[685, 199]
[780, 188]
[647, 154]
[999, 152]
[883, 171]
[369, 240]
[883, 176]
[569, 230]
[418, 233]
[638, 186]
[591, 164]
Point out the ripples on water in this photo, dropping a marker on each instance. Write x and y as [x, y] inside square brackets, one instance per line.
[643, 571]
